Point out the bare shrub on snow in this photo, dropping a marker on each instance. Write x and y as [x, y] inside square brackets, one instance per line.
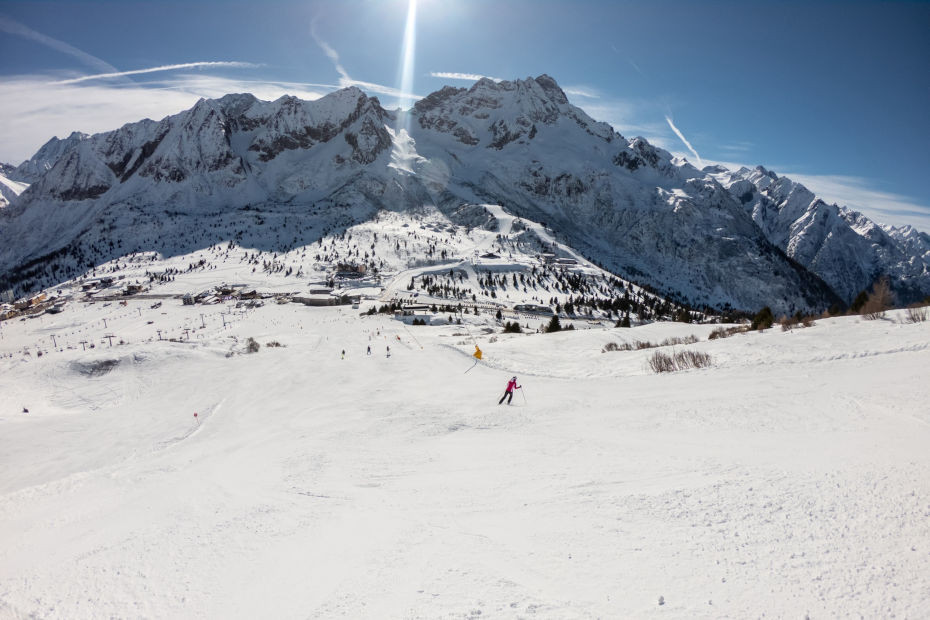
[878, 301]
[680, 360]
[687, 358]
[789, 323]
[726, 332]
[660, 362]
[916, 313]
[251, 346]
[691, 339]
[638, 345]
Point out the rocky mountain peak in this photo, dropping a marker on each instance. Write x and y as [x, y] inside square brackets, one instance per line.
[495, 114]
[236, 104]
[32, 169]
[551, 88]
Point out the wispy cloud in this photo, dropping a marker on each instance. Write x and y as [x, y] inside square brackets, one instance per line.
[14, 27]
[186, 65]
[380, 89]
[630, 117]
[468, 77]
[736, 148]
[211, 86]
[681, 137]
[581, 91]
[345, 80]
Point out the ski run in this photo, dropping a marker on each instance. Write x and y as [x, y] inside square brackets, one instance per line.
[176, 474]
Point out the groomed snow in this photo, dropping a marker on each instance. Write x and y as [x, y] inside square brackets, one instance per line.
[790, 479]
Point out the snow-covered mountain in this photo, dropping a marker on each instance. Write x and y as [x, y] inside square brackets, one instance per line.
[34, 168]
[845, 248]
[203, 176]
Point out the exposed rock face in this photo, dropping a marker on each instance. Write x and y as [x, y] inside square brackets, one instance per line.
[495, 114]
[845, 248]
[742, 239]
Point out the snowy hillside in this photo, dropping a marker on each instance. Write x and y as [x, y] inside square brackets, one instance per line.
[213, 173]
[153, 467]
[490, 261]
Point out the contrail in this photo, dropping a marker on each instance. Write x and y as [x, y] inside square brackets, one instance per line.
[688, 144]
[186, 65]
[345, 80]
[14, 27]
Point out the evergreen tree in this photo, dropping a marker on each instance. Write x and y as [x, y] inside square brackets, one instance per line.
[554, 324]
[763, 319]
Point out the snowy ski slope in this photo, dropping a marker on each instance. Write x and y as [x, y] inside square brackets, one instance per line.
[792, 478]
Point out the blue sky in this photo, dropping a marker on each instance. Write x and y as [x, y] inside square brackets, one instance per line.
[835, 95]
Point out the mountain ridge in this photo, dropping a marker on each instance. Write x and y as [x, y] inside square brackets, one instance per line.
[720, 238]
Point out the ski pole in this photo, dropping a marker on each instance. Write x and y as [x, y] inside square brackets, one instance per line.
[523, 391]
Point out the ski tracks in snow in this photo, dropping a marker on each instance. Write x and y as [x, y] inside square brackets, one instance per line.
[196, 426]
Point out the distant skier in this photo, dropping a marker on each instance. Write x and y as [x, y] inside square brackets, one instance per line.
[369, 349]
[389, 351]
[343, 354]
[477, 356]
[508, 393]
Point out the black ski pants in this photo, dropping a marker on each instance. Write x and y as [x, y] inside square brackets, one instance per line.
[506, 394]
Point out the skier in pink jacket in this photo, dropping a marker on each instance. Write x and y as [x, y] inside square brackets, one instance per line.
[508, 393]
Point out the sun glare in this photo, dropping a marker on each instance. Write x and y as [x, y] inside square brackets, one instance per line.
[405, 100]
[408, 54]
